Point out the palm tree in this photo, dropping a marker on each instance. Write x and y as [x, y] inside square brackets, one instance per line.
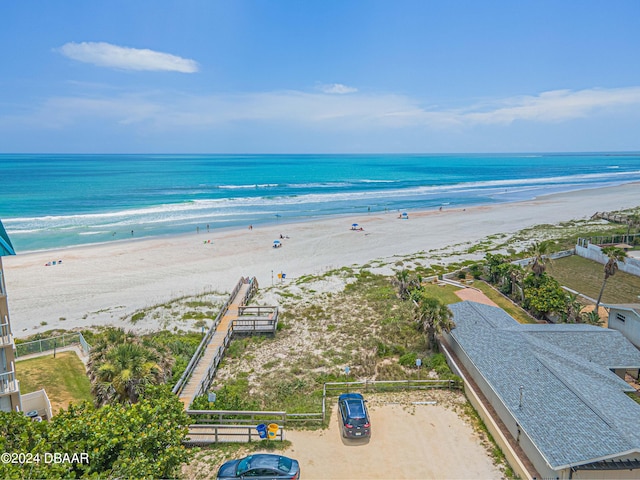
[539, 251]
[108, 338]
[433, 317]
[126, 370]
[573, 313]
[517, 277]
[402, 281]
[615, 255]
[121, 364]
[592, 318]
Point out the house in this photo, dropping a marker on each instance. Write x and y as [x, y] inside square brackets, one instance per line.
[626, 319]
[558, 390]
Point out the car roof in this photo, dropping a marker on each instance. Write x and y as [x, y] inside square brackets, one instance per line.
[266, 460]
[350, 396]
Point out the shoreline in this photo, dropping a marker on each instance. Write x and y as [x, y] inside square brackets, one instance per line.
[267, 221]
[98, 284]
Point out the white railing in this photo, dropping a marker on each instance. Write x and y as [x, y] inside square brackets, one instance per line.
[5, 334]
[8, 383]
[51, 343]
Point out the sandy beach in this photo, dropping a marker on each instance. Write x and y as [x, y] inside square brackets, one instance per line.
[100, 284]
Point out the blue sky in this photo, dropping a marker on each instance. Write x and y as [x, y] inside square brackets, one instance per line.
[326, 76]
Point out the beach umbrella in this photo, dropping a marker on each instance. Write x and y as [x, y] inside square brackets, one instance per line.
[276, 242]
[354, 225]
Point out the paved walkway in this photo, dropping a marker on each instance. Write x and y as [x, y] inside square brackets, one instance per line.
[475, 296]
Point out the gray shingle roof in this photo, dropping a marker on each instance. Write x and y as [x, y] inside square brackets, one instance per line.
[573, 406]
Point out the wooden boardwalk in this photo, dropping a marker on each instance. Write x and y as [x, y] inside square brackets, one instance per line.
[235, 317]
[215, 347]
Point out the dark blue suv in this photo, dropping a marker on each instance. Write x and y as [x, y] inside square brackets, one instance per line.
[354, 416]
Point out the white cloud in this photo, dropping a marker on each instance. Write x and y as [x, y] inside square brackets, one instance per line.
[164, 111]
[551, 106]
[108, 55]
[337, 88]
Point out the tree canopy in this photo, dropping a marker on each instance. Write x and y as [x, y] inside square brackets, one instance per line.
[141, 440]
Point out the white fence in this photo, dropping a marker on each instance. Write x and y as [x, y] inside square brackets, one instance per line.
[594, 252]
[51, 343]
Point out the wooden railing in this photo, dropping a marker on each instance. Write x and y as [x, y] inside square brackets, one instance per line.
[186, 375]
[207, 434]
[218, 426]
[236, 416]
[335, 388]
[205, 382]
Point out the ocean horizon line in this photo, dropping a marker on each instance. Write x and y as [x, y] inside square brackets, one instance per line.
[523, 152]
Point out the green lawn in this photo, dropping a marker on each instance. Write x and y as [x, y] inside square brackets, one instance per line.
[443, 292]
[63, 378]
[514, 310]
[586, 276]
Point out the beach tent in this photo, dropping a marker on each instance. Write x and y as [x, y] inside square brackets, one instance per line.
[5, 244]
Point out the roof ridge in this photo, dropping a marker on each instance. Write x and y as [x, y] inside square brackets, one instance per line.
[573, 390]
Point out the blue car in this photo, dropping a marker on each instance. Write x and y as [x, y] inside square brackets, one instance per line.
[261, 466]
[354, 415]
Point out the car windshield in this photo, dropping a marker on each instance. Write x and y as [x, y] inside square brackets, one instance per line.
[356, 409]
[284, 464]
[244, 465]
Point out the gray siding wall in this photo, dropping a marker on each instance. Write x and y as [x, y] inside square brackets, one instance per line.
[630, 328]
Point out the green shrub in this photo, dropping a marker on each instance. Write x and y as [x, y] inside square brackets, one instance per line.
[408, 359]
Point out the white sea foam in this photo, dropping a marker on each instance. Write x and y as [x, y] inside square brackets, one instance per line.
[261, 205]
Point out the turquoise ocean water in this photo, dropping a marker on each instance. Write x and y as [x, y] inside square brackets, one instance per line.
[51, 201]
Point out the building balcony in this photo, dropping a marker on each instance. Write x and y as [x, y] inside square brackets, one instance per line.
[6, 339]
[8, 383]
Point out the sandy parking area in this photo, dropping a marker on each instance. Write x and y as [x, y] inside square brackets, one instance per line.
[409, 441]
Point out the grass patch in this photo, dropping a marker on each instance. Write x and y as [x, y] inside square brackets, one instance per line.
[514, 310]
[63, 378]
[586, 276]
[445, 293]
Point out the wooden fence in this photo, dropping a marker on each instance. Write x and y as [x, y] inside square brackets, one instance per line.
[337, 388]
